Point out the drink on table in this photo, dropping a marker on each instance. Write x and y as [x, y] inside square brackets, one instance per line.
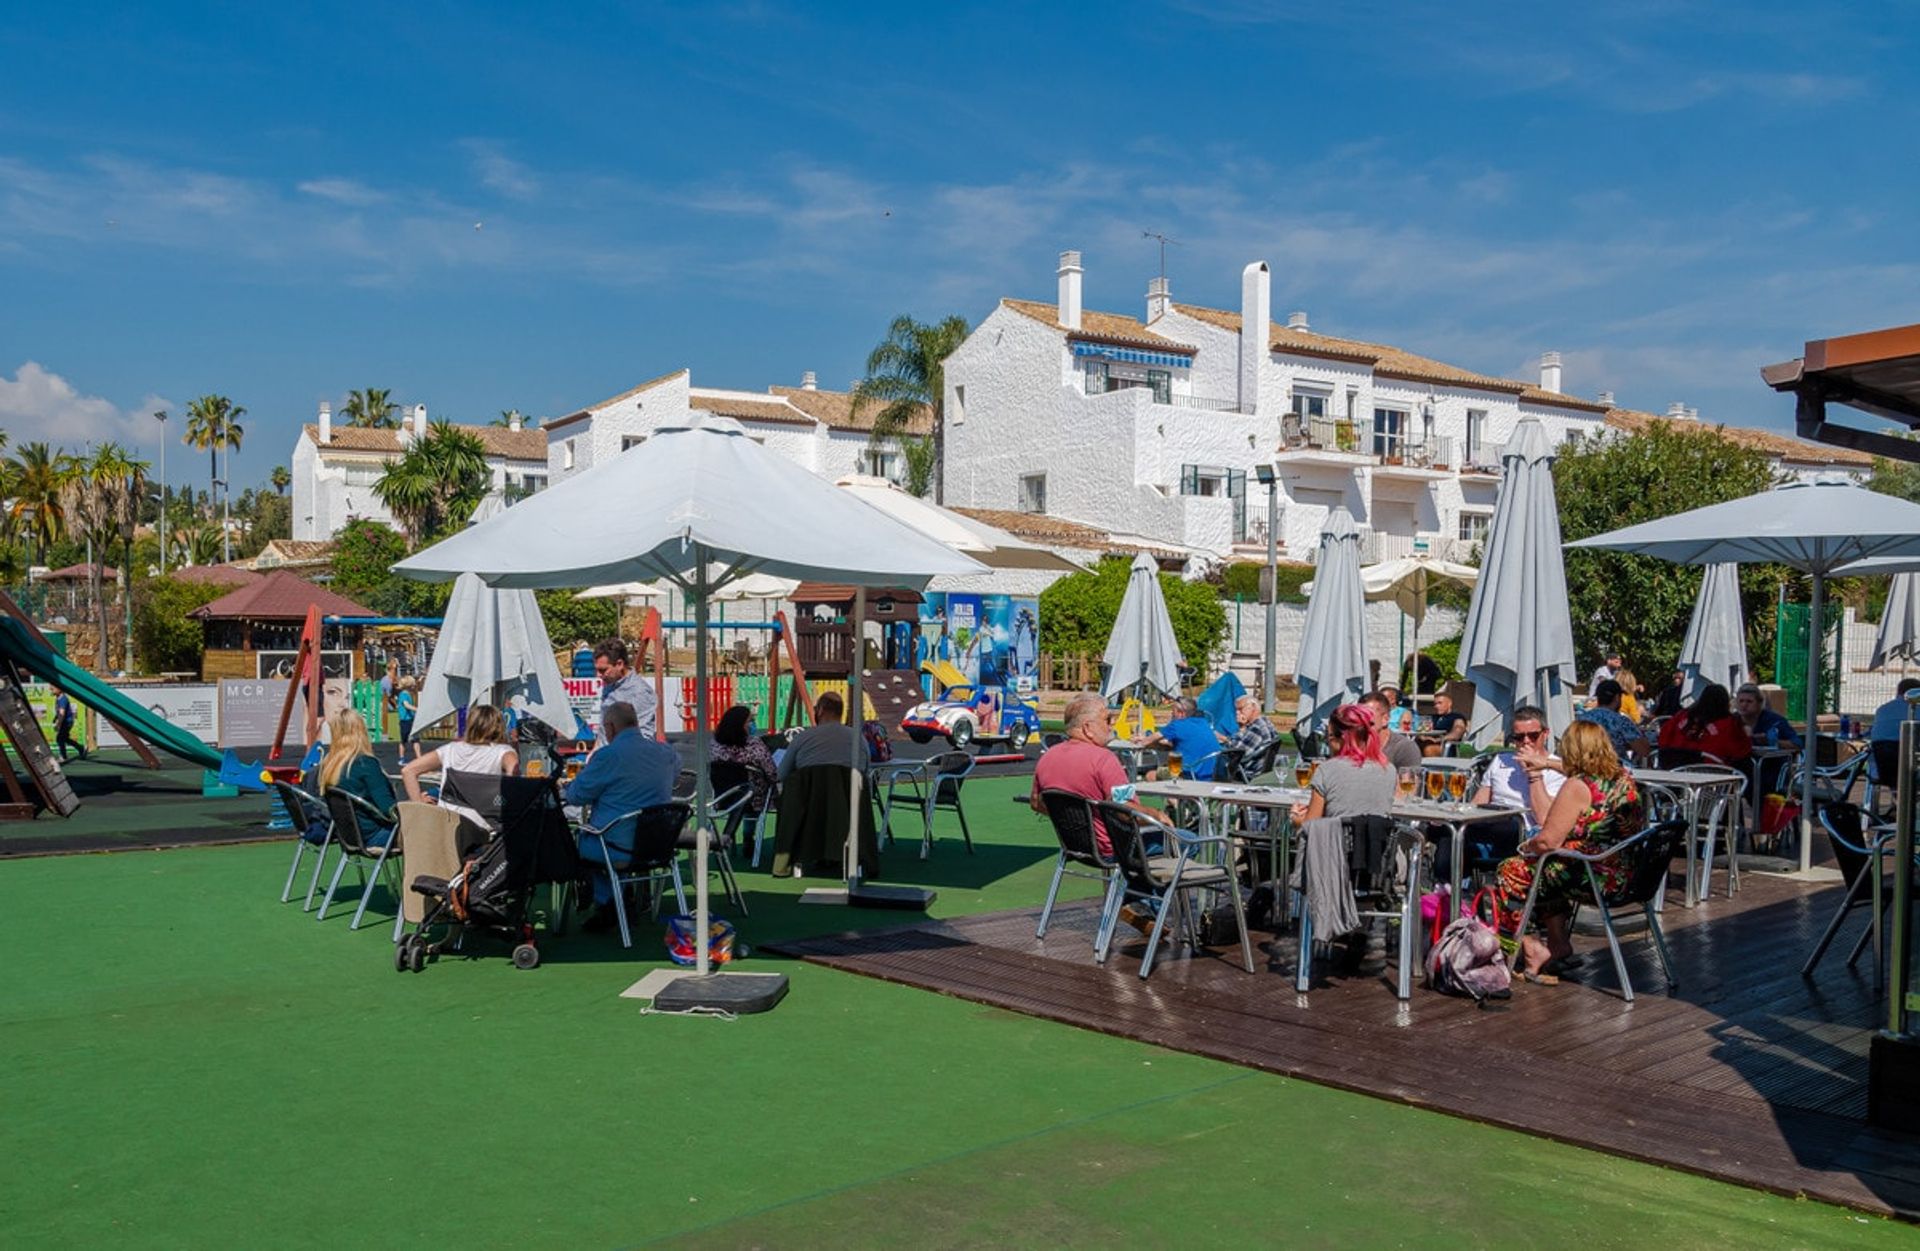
[536, 767]
[1408, 783]
[1436, 785]
[1174, 764]
[1457, 785]
[1302, 774]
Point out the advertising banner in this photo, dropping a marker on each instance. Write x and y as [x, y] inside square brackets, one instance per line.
[195, 709]
[250, 710]
[40, 698]
[993, 640]
[280, 664]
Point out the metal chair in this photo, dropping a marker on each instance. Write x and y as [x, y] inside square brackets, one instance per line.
[1719, 806]
[941, 790]
[686, 783]
[1161, 881]
[348, 812]
[1398, 902]
[313, 828]
[1832, 784]
[1860, 855]
[1074, 825]
[1649, 857]
[1052, 738]
[652, 849]
[733, 799]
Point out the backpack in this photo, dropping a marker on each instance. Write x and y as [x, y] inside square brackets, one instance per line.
[1467, 958]
[879, 746]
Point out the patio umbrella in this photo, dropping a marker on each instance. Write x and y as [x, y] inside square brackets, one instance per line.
[1407, 581]
[1332, 668]
[1899, 634]
[752, 586]
[1817, 527]
[493, 648]
[1715, 649]
[1517, 645]
[1141, 651]
[699, 496]
[990, 545]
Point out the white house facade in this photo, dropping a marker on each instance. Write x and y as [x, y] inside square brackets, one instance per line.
[335, 467]
[1153, 426]
[816, 429]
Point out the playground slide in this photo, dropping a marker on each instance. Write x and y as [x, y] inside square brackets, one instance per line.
[19, 646]
[944, 673]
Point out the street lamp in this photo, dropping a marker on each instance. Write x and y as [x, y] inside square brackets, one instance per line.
[1270, 480]
[161, 417]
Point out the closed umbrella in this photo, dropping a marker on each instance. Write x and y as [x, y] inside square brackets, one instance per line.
[493, 648]
[1715, 649]
[1142, 651]
[1817, 527]
[1332, 669]
[1899, 635]
[698, 497]
[1517, 645]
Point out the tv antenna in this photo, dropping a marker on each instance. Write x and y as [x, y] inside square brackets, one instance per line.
[1164, 241]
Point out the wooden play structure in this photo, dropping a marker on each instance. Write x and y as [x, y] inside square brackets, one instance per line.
[823, 642]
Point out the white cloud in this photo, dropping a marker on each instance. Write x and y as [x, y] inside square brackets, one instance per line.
[343, 191]
[499, 172]
[38, 405]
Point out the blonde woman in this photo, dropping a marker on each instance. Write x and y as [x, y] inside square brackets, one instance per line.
[1629, 696]
[482, 749]
[350, 766]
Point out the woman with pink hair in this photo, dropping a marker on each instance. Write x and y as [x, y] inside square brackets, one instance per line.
[1356, 779]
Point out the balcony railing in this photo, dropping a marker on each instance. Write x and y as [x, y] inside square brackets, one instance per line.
[1206, 403]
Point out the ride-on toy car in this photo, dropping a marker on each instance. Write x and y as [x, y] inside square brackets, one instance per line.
[962, 716]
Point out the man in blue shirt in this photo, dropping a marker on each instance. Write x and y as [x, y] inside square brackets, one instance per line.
[1884, 739]
[1191, 735]
[1629, 741]
[631, 771]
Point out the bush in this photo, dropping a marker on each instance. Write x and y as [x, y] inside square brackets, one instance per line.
[1077, 612]
[363, 558]
[1242, 582]
[165, 638]
[569, 619]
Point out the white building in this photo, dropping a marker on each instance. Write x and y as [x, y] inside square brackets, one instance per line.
[1152, 426]
[334, 467]
[812, 427]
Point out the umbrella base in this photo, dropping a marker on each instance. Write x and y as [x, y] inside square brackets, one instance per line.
[898, 898]
[736, 994]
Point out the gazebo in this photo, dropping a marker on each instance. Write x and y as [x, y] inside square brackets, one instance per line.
[254, 631]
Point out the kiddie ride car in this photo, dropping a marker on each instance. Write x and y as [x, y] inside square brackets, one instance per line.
[962, 716]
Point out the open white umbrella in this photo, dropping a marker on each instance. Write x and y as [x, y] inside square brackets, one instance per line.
[1517, 645]
[990, 545]
[1715, 648]
[1407, 581]
[752, 586]
[1142, 651]
[1332, 668]
[493, 648]
[1818, 527]
[696, 497]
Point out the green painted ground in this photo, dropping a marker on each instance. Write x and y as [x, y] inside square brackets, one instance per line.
[190, 1063]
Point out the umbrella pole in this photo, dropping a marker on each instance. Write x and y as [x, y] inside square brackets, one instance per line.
[702, 835]
[1807, 751]
[856, 715]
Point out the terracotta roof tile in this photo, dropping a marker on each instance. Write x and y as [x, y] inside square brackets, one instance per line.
[584, 413]
[279, 596]
[1100, 327]
[527, 443]
[749, 410]
[1780, 446]
[79, 573]
[1053, 531]
[835, 410]
[215, 575]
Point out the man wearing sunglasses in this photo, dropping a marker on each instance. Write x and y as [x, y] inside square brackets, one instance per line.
[1525, 779]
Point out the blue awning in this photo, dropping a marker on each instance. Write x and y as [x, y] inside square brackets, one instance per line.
[1133, 356]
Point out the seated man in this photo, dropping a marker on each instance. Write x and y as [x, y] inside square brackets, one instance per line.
[1399, 716]
[1884, 738]
[1083, 765]
[1669, 701]
[1255, 730]
[1402, 752]
[830, 741]
[629, 772]
[1448, 727]
[1525, 779]
[1629, 740]
[1193, 736]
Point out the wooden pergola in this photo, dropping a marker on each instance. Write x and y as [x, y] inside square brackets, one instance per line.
[1877, 372]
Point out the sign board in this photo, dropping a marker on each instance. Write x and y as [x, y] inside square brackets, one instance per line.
[40, 697]
[583, 696]
[280, 664]
[194, 708]
[250, 710]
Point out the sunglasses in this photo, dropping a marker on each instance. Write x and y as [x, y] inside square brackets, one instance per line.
[1529, 736]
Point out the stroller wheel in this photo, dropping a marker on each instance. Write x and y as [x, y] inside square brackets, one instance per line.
[417, 954]
[400, 953]
[526, 956]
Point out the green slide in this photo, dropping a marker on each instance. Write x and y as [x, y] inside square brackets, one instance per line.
[19, 646]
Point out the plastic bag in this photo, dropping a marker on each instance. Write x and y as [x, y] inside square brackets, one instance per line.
[680, 935]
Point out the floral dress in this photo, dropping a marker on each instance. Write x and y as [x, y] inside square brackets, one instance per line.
[1614, 815]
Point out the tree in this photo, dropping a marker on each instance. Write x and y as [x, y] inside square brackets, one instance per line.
[281, 479]
[1077, 612]
[371, 409]
[568, 619]
[167, 639]
[1640, 605]
[906, 376]
[364, 553]
[918, 454]
[510, 415]
[101, 495]
[437, 482]
[213, 422]
[36, 508]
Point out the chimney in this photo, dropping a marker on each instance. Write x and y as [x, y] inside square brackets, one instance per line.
[326, 422]
[1070, 290]
[513, 420]
[419, 421]
[1297, 320]
[1606, 397]
[1677, 411]
[1550, 372]
[1256, 315]
[808, 382]
[1693, 414]
[1159, 298]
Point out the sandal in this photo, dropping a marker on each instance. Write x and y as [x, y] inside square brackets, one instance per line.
[1542, 978]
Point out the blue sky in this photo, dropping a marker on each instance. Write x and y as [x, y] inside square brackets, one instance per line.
[481, 206]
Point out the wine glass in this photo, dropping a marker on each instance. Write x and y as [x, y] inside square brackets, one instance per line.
[1457, 787]
[1436, 785]
[1407, 784]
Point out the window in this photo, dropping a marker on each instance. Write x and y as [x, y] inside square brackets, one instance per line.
[631, 440]
[1096, 374]
[1310, 404]
[1389, 431]
[883, 463]
[1473, 526]
[959, 403]
[1161, 380]
[566, 454]
[1033, 493]
[533, 482]
[1476, 432]
[364, 475]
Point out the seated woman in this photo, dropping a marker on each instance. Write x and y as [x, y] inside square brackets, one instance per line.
[735, 743]
[350, 766]
[1355, 779]
[1596, 808]
[483, 749]
[1707, 731]
[1630, 697]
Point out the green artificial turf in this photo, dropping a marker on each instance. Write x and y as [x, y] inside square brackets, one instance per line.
[191, 1063]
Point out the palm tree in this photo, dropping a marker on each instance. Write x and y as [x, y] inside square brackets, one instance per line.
[510, 415]
[438, 480]
[101, 494]
[213, 422]
[35, 507]
[371, 409]
[906, 375]
[281, 479]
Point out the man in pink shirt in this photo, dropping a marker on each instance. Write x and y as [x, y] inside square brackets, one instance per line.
[1083, 765]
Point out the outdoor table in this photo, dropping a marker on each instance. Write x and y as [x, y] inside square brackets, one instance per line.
[1277, 799]
[1419, 811]
[1130, 754]
[1685, 788]
[1449, 762]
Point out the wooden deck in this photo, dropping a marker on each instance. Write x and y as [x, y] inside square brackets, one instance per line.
[1748, 1073]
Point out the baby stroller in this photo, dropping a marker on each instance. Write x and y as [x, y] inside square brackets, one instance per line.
[528, 843]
